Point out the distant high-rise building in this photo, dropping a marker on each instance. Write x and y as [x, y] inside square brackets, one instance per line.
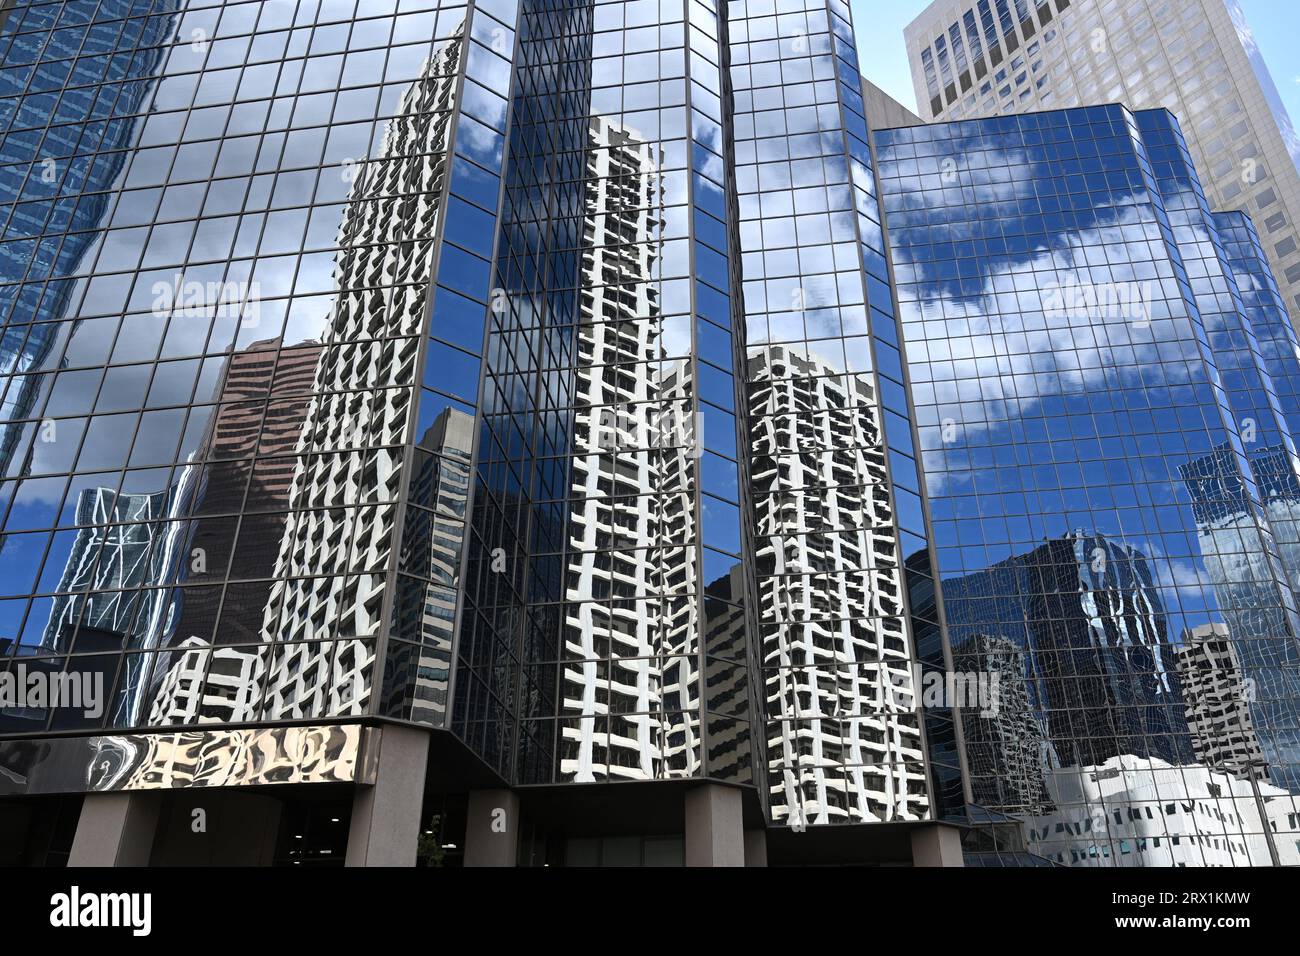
[1196, 58]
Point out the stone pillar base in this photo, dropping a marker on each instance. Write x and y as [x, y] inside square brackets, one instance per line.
[492, 828]
[116, 829]
[385, 828]
[715, 826]
[936, 844]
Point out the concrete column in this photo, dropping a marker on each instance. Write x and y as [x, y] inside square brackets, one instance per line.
[755, 848]
[116, 829]
[492, 828]
[385, 829]
[936, 844]
[715, 826]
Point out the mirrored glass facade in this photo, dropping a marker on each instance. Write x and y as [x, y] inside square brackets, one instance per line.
[1200, 59]
[578, 387]
[377, 361]
[223, 228]
[604, 632]
[1111, 476]
[389, 370]
[834, 479]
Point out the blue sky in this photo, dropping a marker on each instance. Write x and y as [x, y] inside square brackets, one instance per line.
[879, 25]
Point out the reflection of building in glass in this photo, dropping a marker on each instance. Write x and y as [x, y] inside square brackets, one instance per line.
[631, 522]
[328, 562]
[346, 445]
[1006, 750]
[191, 686]
[726, 676]
[262, 404]
[1131, 811]
[1258, 365]
[432, 548]
[603, 514]
[1078, 632]
[203, 684]
[125, 543]
[1218, 695]
[242, 757]
[1279, 488]
[845, 739]
[1099, 634]
[1079, 360]
[1245, 583]
[835, 491]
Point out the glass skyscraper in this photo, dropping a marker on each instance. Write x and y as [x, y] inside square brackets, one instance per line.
[1111, 480]
[1197, 58]
[461, 385]
[556, 432]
